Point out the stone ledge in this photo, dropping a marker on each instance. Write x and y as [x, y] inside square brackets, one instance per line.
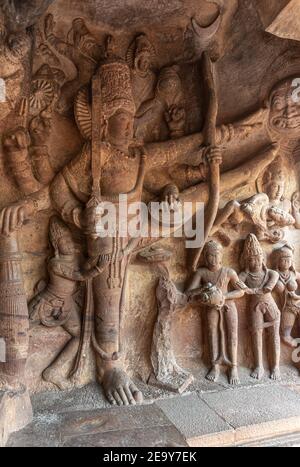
[15, 413]
[235, 417]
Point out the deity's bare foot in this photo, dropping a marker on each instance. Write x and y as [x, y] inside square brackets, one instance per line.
[288, 340]
[213, 374]
[119, 389]
[51, 375]
[234, 379]
[275, 374]
[258, 373]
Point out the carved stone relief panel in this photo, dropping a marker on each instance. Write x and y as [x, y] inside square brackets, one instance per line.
[177, 104]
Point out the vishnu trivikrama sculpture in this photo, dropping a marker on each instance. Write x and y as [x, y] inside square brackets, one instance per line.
[115, 96]
[110, 165]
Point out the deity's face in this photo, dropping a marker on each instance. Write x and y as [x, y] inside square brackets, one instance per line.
[255, 263]
[120, 129]
[284, 117]
[66, 245]
[213, 259]
[275, 190]
[285, 263]
[142, 62]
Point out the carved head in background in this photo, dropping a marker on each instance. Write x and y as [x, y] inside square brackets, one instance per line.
[169, 86]
[273, 182]
[284, 115]
[284, 259]
[140, 55]
[61, 238]
[253, 257]
[213, 255]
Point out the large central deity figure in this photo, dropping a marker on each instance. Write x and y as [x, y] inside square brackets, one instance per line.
[111, 164]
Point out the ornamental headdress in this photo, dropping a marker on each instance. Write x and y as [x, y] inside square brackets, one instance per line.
[252, 247]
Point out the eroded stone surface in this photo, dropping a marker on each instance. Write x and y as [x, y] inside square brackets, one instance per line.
[15, 414]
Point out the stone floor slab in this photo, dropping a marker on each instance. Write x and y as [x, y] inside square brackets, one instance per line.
[193, 417]
[15, 413]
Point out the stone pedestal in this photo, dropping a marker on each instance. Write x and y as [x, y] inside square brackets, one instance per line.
[15, 413]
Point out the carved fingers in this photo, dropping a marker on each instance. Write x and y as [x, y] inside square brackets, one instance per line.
[176, 118]
[171, 198]
[11, 219]
[16, 140]
[49, 25]
[214, 155]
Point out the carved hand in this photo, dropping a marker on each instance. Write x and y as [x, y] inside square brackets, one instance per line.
[214, 155]
[176, 117]
[12, 219]
[49, 25]
[16, 141]
[171, 197]
[40, 128]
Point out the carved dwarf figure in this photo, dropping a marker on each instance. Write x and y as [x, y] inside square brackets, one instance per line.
[140, 57]
[55, 305]
[287, 286]
[264, 311]
[217, 287]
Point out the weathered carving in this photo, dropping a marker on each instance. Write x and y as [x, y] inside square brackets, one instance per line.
[216, 287]
[81, 49]
[164, 115]
[140, 57]
[166, 370]
[264, 311]
[287, 287]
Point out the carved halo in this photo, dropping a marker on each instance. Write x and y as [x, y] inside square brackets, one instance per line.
[83, 113]
[140, 43]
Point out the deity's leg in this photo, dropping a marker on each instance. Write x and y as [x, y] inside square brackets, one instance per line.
[257, 324]
[287, 323]
[118, 387]
[231, 317]
[57, 372]
[213, 342]
[275, 342]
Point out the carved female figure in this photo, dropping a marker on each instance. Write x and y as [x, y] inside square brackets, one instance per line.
[287, 286]
[264, 311]
[222, 317]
